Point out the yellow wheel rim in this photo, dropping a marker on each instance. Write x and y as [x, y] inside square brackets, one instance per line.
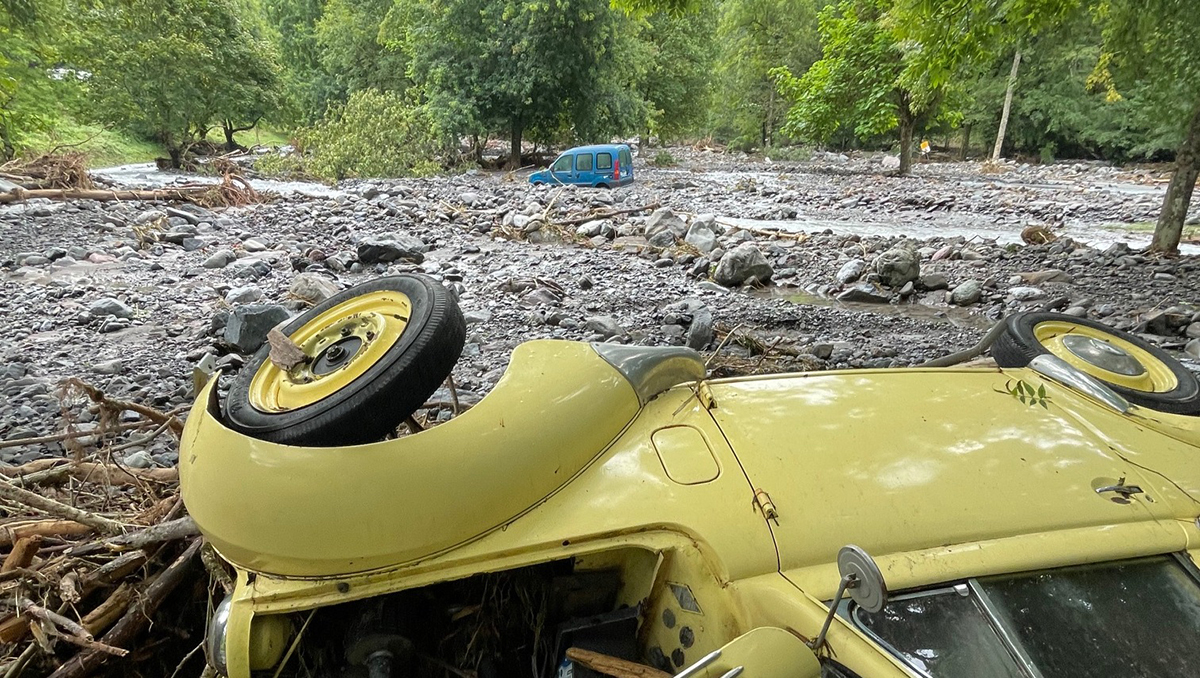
[1105, 356]
[339, 345]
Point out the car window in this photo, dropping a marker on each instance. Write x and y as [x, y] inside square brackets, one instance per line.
[563, 164]
[1131, 618]
[603, 161]
[625, 158]
[583, 162]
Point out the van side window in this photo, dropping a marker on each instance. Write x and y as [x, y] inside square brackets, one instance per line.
[604, 161]
[563, 164]
[626, 160]
[583, 162]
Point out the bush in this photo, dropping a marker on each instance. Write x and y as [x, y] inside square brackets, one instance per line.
[374, 134]
[664, 159]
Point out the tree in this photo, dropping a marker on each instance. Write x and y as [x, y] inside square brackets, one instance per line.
[28, 31]
[170, 69]
[1156, 42]
[350, 51]
[674, 70]
[755, 36]
[859, 82]
[513, 66]
[307, 87]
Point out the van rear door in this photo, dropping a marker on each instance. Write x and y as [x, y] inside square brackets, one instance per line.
[626, 165]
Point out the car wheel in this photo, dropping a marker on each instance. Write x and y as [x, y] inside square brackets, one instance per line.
[601, 185]
[538, 183]
[373, 354]
[1141, 372]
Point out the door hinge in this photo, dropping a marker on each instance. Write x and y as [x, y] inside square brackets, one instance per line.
[704, 393]
[763, 501]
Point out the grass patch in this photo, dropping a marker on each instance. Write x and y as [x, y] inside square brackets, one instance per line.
[102, 147]
[259, 136]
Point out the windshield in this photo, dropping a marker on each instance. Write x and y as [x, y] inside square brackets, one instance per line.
[1133, 618]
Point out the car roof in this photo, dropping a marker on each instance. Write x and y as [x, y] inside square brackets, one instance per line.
[597, 147]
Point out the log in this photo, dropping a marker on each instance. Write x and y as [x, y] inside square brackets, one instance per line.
[12, 533]
[606, 214]
[54, 508]
[109, 611]
[184, 194]
[613, 666]
[135, 619]
[22, 554]
[168, 531]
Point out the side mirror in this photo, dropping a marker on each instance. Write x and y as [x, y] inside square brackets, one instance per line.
[766, 652]
[862, 578]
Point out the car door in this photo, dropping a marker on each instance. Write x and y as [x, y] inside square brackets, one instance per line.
[562, 171]
[585, 171]
[604, 168]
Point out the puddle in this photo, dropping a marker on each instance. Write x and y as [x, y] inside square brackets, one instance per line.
[147, 175]
[951, 315]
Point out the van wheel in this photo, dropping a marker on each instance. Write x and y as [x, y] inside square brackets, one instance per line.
[539, 183]
[601, 185]
[373, 354]
[1141, 372]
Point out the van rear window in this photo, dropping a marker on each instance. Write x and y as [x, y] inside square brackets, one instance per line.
[626, 161]
[603, 161]
[583, 162]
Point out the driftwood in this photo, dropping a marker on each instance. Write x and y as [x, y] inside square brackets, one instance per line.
[14, 532]
[613, 666]
[136, 617]
[55, 508]
[606, 214]
[182, 193]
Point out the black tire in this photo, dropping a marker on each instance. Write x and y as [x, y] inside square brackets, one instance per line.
[601, 185]
[1018, 345]
[375, 403]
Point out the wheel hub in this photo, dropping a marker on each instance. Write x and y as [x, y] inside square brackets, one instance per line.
[336, 355]
[1103, 355]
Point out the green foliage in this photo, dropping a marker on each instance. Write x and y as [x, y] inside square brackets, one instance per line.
[675, 64]
[756, 36]
[347, 35]
[664, 159]
[375, 134]
[857, 83]
[789, 153]
[169, 70]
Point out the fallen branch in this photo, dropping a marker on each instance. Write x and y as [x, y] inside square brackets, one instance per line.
[168, 531]
[37, 611]
[613, 666]
[54, 508]
[14, 532]
[184, 194]
[117, 405]
[24, 550]
[606, 214]
[136, 617]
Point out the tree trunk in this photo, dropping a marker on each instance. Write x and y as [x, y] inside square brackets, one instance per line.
[514, 158]
[230, 144]
[907, 123]
[1008, 94]
[645, 140]
[1169, 228]
[966, 142]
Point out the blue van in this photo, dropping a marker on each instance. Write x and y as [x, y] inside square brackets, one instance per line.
[602, 166]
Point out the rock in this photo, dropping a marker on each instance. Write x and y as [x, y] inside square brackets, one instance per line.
[220, 259]
[149, 216]
[1076, 312]
[890, 162]
[244, 295]
[967, 293]
[389, 248]
[702, 235]
[850, 271]
[109, 367]
[139, 459]
[744, 263]
[700, 333]
[312, 288]
[591, 229]
[476, 317]
[109, 306]
[248, 325]
[662, 238]
[1193, 348]
[605, 325]
[1193, 331]
[664, 219]
[1050, 275]
[933, 281]
[864, 293]
[254, 245]
[1025, 293]
[943, 253]
[897, 266]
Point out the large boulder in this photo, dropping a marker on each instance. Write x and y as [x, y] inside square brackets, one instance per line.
[897, 266]
[312, 288]
[702, 235]
[967, 293]
[109, 306]
[850, 271]
[388, 248]
[664, 227]
[248, 325]
[743, 264]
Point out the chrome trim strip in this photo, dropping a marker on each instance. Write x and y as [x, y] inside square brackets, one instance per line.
[1061, 371]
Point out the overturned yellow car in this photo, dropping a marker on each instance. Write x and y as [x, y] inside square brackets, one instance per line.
[608, 510]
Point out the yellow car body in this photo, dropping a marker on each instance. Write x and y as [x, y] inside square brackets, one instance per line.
[723, 502]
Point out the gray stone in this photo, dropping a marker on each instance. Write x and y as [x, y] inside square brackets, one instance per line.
[591, 229]
[897, 266]
[475, 317]
[1025, 293]
[890, 162]
[702, 235]
[244, 295]
[744, 263]
[967, 293]
[220, 259]
[700, 333]
[1050, 275]
[1193, 331]
[110, 306]
[140, 459]
[149, 216]
[850, 271]
[933, 281]
[1076, 312]
[109, 367]
[248, 325]
[1192, 348]
[864, 293]
[312, 288]
[664, 219]
[662, 238]
[605, 325]
[254, 245]
[388, 248]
